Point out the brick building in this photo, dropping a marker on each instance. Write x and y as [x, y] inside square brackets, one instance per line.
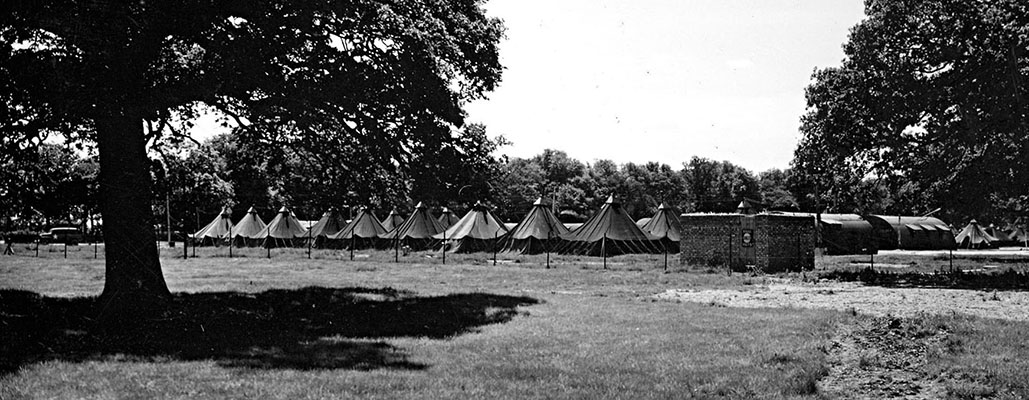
[767, 242]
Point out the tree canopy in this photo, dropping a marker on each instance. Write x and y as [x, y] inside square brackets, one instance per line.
[389, 78]
[930, 100]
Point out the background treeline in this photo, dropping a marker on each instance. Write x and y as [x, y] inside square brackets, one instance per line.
[194, 180]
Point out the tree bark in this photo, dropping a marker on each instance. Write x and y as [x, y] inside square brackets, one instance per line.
[133, 282]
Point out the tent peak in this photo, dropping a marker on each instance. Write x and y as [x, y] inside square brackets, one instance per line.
[662, 207]
[283, 209]
[419, 206]
[538, 202]
[611, 200]
[251, 210]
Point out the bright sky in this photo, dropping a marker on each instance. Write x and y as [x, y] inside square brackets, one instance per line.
[657, 80]
[661, 80]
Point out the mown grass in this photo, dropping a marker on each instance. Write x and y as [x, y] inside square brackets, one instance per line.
[592, 333]
[577, 330]
[980, 358]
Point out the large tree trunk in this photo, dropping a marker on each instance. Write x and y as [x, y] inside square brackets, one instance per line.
[134, 283]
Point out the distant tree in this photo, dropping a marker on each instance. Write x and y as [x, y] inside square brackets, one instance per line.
[196, 182]
[717, 186]
[519, 185]
[651, 184]
[388, 77]
[932, 98]
[775, 191]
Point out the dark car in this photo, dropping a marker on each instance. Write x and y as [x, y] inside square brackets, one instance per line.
[62, 235]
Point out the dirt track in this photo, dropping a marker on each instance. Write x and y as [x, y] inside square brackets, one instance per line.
[878, 357]
[871, 300]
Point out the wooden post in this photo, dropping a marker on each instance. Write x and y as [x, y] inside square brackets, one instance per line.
[269, 250]
[94, 249]
[952, 261]
[185, 247]
[37, 247]
[66, 249]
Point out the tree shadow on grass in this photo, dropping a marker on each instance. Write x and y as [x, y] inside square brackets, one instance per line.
[309, 328]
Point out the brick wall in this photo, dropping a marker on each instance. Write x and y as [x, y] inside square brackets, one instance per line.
[781, 243]
[705, 238]
[784, 243]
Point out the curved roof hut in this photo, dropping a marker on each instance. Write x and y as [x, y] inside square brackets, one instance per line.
[447, 218]
[217, 230]
[609, 232]
[393, 220]
[478, 231]
[911, 233]
[362, 232]
[417, 231]
[247, 232]
[540, 231]
[974, 236]
[283, 230]
[664, 225]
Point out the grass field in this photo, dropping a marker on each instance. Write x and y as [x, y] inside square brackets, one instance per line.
[327, 327]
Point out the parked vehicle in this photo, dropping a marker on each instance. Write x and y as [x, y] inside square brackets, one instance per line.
[65, 235]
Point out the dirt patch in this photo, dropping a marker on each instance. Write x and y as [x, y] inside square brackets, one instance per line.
[882, 358]
[871, 300]
[881, 355]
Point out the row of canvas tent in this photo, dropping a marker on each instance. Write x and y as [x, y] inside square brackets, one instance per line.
[608, 232]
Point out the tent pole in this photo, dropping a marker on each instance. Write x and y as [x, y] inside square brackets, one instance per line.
[269, 248]
[666, 257]
[952, 261]
[94, 249]
[230, 236]
[603, 249]
[351, 245]
[546, 248]
[37, 247]
[396, 248]
[65, 249]
[444, 247]
[309, 242]
[495, 234]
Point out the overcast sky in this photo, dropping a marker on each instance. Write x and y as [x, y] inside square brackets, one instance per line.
[661, 80]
